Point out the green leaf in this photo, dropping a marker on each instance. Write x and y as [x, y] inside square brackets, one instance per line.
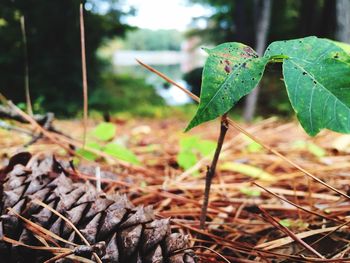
[253, 147]
[88, 154]
[311, 147]
[105, 131]
[189, 142]
[206, 147]
[248, 170]
[191, 147]
[286, 222]
[344, 46]
[249, 191]
[121, 153]
[231, 71]
[294, 223]
[186, 159]
[317, 77]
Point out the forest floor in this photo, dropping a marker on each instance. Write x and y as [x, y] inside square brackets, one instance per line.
[262, 209]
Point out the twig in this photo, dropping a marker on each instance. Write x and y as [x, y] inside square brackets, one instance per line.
[9, 113]
[211, 170]
[47, 125]
[26, 67]
[6, 126]
[84, 71]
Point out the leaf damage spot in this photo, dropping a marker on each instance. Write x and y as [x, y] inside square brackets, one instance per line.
[248, 53]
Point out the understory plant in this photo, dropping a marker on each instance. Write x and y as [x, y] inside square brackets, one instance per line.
[316, 73]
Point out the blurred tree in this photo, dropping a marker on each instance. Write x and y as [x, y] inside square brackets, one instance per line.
[53, 44]
[262, 25]
[235, 20]
[343, 20]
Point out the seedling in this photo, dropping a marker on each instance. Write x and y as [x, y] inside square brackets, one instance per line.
[316, 73]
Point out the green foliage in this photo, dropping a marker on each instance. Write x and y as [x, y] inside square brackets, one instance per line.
[236, 20]
[146, 39]
[344, 46]
[191, 148]
[310, 147]
[105, 131]
[124, 93]
[231, 71]
[298, 224]
[249, 191]
[88, 154]
[121, 153]
[316, 73]
[253, 147]
[54, 55]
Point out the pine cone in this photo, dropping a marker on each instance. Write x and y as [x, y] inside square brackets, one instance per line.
[115, 229]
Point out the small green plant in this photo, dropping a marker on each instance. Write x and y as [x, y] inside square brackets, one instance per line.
[101, 139]
[191, 148]
[316, 73]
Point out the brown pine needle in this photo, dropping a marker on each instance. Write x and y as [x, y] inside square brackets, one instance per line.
[47, 234]
[63, 255]
[293, 204]
[213, 251]
[284, 229]
[51, 249]
[38, 202]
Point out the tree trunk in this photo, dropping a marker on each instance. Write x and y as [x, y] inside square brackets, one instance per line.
[263, 8]
[343, 20]
[240, 31]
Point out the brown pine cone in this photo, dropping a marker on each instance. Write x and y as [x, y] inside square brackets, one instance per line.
[115, 229]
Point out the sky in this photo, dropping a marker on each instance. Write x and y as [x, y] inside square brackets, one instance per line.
[164, 14]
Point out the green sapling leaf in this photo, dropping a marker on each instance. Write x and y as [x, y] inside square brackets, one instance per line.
[121, 153]
[190, 149]
[105, 131]
[231, 71]
[317, 76]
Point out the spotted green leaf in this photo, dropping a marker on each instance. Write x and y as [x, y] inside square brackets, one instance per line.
[344, 46]
[317, 76]
[231, 71]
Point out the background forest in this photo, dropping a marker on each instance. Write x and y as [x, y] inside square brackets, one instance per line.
[51, 48]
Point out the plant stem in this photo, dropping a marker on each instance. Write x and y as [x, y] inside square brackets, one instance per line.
[211, 170]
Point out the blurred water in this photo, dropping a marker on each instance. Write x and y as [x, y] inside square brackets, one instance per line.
[171, 94]
[173, 64]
